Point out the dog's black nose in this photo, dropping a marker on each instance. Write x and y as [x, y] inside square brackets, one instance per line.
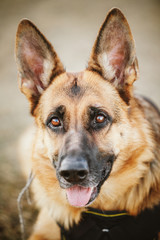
[74, 170]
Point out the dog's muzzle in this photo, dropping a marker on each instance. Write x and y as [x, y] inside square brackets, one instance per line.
[81, 181]
[81, 169]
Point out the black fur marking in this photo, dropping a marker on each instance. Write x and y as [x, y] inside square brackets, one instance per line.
[34, 102]
[75, 90]
[125, 96]
[55, 72]
[95, 69]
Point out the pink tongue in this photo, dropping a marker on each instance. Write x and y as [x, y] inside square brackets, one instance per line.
[78, 196]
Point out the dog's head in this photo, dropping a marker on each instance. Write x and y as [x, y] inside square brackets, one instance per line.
[84, 120]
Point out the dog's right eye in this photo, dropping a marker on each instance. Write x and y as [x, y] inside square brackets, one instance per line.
[55, 123]
[55, 120]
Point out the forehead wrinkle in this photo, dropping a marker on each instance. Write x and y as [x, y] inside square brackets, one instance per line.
[74, 87]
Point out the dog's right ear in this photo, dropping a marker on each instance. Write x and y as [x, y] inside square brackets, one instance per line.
[37, 61]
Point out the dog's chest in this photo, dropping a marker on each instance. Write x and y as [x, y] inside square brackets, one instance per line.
[98, 225]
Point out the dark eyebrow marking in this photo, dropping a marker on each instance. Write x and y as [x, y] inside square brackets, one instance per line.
[57, 111]
[60, 109]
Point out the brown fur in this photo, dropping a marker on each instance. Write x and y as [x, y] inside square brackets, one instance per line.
[134, 182]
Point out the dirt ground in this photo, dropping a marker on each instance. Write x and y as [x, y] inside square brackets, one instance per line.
[71, 26]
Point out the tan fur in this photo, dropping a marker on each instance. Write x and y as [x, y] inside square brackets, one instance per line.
[134, 182]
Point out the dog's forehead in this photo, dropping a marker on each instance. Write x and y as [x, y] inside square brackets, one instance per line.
[76, 85]
[84, 89]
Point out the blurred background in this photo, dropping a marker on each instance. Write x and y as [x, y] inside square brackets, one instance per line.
[72, 27]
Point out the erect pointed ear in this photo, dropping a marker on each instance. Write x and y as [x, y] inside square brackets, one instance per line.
[37, 61]
[113, 54]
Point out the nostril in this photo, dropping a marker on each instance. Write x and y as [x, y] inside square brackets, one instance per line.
[82, 174]
[65, 174]
[73, 170]
[74, 176]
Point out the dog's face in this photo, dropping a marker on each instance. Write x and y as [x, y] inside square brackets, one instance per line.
[83, 119]
[82, 129]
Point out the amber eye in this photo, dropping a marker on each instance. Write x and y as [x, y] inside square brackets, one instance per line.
[100, 118]
[55, 122]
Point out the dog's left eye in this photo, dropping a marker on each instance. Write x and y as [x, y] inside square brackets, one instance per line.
[99, 119]
[55, 121]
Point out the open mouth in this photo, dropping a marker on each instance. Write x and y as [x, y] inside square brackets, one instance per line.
[81, 196]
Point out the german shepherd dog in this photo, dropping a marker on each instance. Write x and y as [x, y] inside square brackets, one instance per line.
[94, 149]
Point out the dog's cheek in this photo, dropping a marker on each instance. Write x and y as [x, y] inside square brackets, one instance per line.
[122, 145]
[51, 144]
[42, 165]
[120, 134]
[109, 143]
[115, 142]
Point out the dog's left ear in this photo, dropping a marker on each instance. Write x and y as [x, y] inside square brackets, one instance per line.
[113, 54]
[37, 61]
